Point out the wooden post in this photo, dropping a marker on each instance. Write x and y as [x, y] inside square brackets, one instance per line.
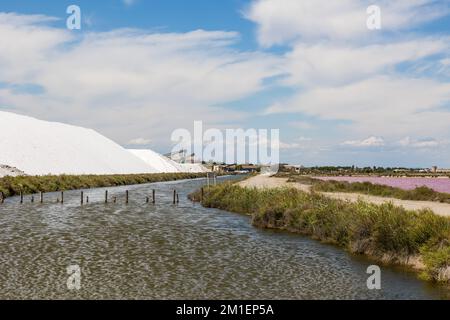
[126, 197]
[147, 199]
[62, 197]
[178, 199]
[202, 193]
[115, 199]
[106, 196]
[82, 197]
[21, 197]
[32, 199]
[153, 196]
[2, 197]
[41, 195]
[87, 199]
[174, 196]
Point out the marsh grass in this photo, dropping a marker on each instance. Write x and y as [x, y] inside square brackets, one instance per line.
[11, 186]
[385, 232]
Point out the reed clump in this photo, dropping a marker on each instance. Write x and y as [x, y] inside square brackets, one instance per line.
[385, 232]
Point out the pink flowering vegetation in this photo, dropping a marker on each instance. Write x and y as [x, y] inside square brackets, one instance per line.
[405, 183]
[420, 193]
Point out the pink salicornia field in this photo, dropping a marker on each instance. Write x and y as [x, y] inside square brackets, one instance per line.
[437, 184]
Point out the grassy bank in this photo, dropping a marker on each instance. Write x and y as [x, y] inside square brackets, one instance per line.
[387, 233]
[11, 186]
[419, 194]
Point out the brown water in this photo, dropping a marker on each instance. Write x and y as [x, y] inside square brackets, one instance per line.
[164, 251]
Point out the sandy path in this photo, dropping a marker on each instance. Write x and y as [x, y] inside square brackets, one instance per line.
[262, 182]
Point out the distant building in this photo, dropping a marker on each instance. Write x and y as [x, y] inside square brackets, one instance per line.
[434, 169]
[293, 168]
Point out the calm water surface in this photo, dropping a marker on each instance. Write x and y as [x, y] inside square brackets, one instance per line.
[162, 251]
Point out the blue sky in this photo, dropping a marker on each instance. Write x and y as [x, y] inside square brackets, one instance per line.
[169, 16]
[340, 93]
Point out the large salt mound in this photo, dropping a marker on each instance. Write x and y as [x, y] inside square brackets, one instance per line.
[158, 161]
[39, 147]
[10, 171]
[165, 164]
[193, 167]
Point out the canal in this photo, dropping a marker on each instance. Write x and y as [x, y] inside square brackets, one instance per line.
[166, 251]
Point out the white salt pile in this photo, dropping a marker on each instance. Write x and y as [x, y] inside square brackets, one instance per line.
[158, 161]
[35, 147]
[39, 147]
[165, 164]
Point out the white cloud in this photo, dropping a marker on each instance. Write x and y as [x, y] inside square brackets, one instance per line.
[426, 144]
[139, 142]
[405, 142]
[127, 83]
[341, 71]
[394, 106]
[331, 64]
[286, 146]
[298, 143]
[421, 143]
[369, 142]
[304, 125]
[284, 21]
[27, 43]
[133, 83]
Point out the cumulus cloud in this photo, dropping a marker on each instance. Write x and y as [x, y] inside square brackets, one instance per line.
[284, 21]
[394, 106]
[321, 64]
[298, 143]
[369, 82]
[421, 143]
[133, 83]
[369, 142]
[126, 83]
